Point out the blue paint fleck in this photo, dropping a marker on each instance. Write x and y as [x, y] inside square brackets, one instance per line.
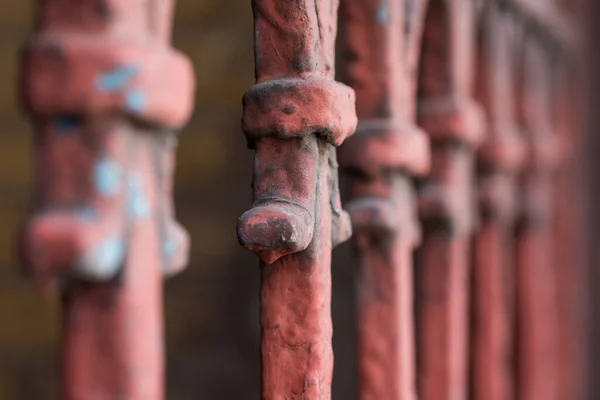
[104, 261]
[116, 79]
[135, 100]
[107, 177]
[67, 123]
[87, 214]
[169, 247]
[138, 204]
[383, 13]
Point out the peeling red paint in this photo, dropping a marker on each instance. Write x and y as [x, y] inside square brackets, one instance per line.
[105, 93]
[293, 118]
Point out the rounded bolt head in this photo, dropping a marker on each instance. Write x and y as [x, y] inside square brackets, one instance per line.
[275, 229]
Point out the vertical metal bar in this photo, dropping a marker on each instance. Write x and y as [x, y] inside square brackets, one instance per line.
[106, 93]
[455, 124]
[568, 111]
[500, 158]
[565, 236]
[568, 239]
[380, 160]
[536, 275]
[293, 118]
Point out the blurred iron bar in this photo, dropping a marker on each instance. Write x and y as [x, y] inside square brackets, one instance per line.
[499, 162]
[380, 160]
[456, 126]
[105, 93]
[537, 307]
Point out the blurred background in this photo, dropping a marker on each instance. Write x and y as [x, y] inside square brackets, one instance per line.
[212, 308]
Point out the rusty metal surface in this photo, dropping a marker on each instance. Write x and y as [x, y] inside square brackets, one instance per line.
[536, 268]
[380, 160]
[499, 160]
[293, 118]
[105, 94]
[455, 124]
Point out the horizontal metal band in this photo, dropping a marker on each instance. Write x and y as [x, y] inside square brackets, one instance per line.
[380, 145]
[91, 75]
[296, 107]
[453, 118]
[504, 149]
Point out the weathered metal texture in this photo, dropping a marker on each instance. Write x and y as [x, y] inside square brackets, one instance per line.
[293, 118]
[536, 269]
[499, 160]
[105, 93]
[380, 59]
[456, 126]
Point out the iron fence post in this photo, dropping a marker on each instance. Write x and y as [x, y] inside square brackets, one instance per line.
[455, 124]
[105, 93]
[499, 160]
[293, 118]
[536, 275]
[387, 150]
[568, 238]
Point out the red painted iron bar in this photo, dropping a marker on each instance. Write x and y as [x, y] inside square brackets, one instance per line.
[105, 93]
[293, 118]
[379, 159]
[500, 158]
[455, 124]
[536, 270]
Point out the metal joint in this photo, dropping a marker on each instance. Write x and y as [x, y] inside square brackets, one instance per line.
[76, 87]
[292, 116]
[383, 145]
[453, 119]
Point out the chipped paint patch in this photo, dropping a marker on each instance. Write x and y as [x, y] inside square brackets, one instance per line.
[87, 214]
[135, 100]
[107, 177]
[117, 79]
[67, 124]
[139, 207]
[169, 247]
[103, 261]
[383, 12]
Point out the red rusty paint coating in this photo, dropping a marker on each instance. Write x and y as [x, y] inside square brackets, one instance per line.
[105, 93]
[293, 117]
[455, 124]
[536, 278]
[379, 159]
[500, 157]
